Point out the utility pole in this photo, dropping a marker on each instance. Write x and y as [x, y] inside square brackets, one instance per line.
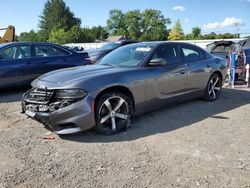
[237, 31]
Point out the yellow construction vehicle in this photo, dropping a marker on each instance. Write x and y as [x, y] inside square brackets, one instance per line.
[9, 35]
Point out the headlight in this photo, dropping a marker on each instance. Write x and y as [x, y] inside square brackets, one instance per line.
[70, 94]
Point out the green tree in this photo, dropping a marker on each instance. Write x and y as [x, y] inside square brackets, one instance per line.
[147, 25]
[196, 33]
[226, 36]
[154, 25]
[176, 32]
[133, 24]
[56, 15]
[211, 35]
[74, 35]
[59, 36]
[116, 22]
[86, 36]
[99, 32]
[31, 36]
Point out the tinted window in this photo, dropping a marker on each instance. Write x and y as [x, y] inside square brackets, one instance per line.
[16, 52]
[191, 53]
[49, 51]
[169, 53]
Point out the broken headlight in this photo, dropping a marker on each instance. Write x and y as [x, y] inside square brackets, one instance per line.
[70, 94]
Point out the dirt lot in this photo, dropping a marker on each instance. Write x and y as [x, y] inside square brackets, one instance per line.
[193, 144]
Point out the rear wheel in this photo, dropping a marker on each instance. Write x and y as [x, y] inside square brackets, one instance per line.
[113, 113]
[213, 88]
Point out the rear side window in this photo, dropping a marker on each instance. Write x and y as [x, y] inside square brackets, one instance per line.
[192, 54]
[16, 52]
[169, 53]
[49, 51]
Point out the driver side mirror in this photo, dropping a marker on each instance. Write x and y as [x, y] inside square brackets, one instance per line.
[157, 62]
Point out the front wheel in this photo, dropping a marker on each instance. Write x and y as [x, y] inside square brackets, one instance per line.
[113, 113]
[213, 88]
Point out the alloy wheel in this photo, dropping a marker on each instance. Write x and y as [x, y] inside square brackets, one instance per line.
[214, 87]
[113, 112]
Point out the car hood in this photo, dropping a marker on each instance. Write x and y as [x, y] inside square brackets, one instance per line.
[74, 76]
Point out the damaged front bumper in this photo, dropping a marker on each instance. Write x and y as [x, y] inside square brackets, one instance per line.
[60, 116]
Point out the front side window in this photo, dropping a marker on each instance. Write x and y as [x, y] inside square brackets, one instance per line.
[16, 52]
[48, 51]
[169, 53]
[192, 54]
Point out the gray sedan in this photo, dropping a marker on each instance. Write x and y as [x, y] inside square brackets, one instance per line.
[131, 80]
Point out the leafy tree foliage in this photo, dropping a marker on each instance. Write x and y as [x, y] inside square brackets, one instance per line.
[196, 32]
[116, 22]
[133, 24]
[31, 36]
[154, 25]
[74, 35]
[56, 15]
[176, 32]
[99, 32]
[147, 25]
[59, 36]
[196, 35]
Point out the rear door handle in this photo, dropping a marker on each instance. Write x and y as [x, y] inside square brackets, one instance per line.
[209, 65]
[182, 72]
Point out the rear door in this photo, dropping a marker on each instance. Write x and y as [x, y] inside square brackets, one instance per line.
[164, 82]
[47, 58]
[198, 67]
[15, 66]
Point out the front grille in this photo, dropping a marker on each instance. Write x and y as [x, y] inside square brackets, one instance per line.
[39, 96]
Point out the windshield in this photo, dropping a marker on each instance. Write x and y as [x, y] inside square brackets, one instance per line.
[111, 46]
[127, 56]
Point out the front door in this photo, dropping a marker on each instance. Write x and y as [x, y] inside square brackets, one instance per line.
[164, 82]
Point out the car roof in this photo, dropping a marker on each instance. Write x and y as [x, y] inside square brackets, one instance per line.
[155, 43]
[29, 43]
[36, 43]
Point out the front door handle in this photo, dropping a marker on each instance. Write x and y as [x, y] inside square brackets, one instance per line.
[182, 72]
[208, 65]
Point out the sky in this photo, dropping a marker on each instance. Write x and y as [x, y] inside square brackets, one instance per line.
[218, 16]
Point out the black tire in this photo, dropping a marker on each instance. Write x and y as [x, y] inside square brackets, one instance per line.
[113, 113]
[213, 88]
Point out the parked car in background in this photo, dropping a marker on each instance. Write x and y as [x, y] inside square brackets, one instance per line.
[247, 55]
[129, 81]
[96, 54]
[22, 62]
[222, 48]
[245, 43]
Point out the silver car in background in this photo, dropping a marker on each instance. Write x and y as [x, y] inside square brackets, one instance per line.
[131, 80]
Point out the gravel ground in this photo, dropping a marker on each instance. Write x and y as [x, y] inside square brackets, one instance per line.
[193, 144]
